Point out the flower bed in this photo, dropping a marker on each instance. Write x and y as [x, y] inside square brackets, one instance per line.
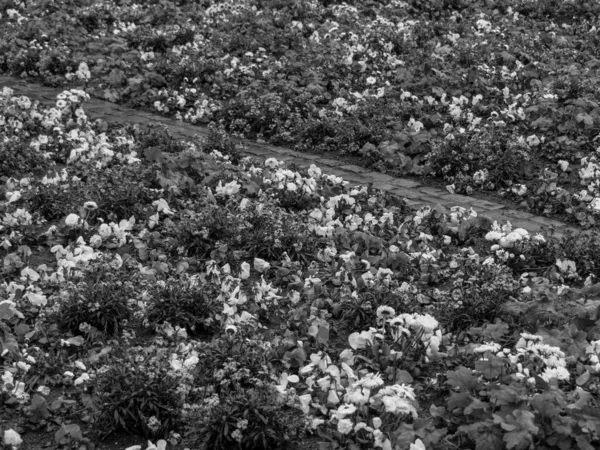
[498, 96]
[155, 289]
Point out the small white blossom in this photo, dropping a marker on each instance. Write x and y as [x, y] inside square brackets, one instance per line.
[345, 426]
[564, 165]
[519, 189]
[12, 438]
[72, 220]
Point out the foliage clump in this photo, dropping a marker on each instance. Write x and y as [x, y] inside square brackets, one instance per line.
[247, 407]
[287, 304]
[192, 307]
[476, 295]
[481, 159]
[140, 392]
[102, 298]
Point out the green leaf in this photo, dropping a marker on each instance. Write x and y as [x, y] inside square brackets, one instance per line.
[583, 378]
[491, 367]
[587, 120]
[74, 431]
[459, 400]
[6, 311]
[111, 95]
[546, 405]
[583, 442]
[251, 187]
[39, 408]
[66, 433]
[474, 405]
[296, 357]
[493, 332]
[484, 434]
[507, 395]
[8, 342]
[584, 398]
[323, 335]
[507, 57]
[436, 411]
[153, 153]
[135, 83]
[60, 435]
[517, 439]
[541, 383]
[520, 428]
[116, 78]
[402, 376]
[21, 330]
[463, 378]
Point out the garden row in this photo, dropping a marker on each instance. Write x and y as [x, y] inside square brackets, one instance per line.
[174, 290]
[490, 95]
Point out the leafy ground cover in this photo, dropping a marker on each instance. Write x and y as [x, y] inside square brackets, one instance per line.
[177, 293]
[497, 96]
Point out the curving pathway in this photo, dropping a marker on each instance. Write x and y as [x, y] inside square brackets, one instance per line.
[413, 192]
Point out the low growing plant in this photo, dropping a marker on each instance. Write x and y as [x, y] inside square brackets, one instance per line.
[190, 306]
[140, 392]
[103, 305]
[251, 419]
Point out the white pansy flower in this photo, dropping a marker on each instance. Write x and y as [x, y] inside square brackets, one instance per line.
[314, 171]
[333, 397]
[260, 265]
[81, 379]
[13, 196]
[245, 271]
[72, 220]
[519, 189]
[359, 426]
[105, 231]
[272, 163]
[230, 188]
[480, 176]
[346, 409]
[416, 125]
[385, 312]
[316, 422]
[12, 438]
[560, 373]
[340, 102]
[23, 366]
[345, 426]
[533, 140]
[595, 204]
[418, 445]
[590, 170]
[488, 347]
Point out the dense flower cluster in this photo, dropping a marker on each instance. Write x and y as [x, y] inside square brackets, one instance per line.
[254, 298]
